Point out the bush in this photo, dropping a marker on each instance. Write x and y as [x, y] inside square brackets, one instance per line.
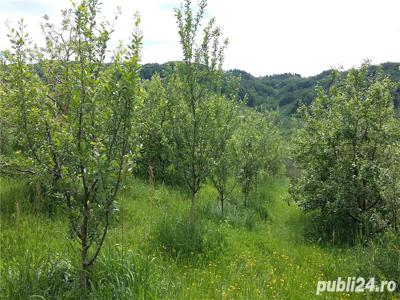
[346, 149]
[332, 230]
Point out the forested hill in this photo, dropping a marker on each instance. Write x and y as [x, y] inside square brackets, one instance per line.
[285, 91]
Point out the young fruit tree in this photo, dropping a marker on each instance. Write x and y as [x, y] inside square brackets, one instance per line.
[346, 150]
[74, 117]
[199, 78]
[222, 165]
[258, 149]
[155, 130]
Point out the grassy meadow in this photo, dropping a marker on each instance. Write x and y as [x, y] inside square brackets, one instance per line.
[259, 252]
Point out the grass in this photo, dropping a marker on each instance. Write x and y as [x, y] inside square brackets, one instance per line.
[260, 252]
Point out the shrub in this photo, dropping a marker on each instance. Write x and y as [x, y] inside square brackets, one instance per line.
[349, 141]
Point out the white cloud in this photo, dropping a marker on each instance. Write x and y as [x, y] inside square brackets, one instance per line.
[266, 37]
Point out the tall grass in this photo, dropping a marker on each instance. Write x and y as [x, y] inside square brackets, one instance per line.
[259, 252]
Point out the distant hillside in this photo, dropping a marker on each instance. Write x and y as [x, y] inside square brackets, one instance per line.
[285, 91]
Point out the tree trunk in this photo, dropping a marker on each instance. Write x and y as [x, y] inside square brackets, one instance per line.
[395, 225]
[84, 248]
[192, 209]
[221, 196]
[84, 271]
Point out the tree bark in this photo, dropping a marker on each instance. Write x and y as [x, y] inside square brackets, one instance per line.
[192, 209]
[84, 248]
[84, 271]
[395, 225]
[221, 197]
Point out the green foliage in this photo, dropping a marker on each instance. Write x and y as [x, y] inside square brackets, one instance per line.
[222, 165]
[283, 91]
[287, 92]
[155, 131]
[348, 144]
[75, 125]
[198, 80]
[258, 149]
[74, 115]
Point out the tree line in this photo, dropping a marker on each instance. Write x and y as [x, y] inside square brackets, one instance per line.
[285, 92]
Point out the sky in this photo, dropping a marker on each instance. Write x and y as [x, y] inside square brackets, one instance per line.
[265, 36]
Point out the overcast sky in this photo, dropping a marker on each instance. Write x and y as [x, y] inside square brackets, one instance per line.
[266, 36]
